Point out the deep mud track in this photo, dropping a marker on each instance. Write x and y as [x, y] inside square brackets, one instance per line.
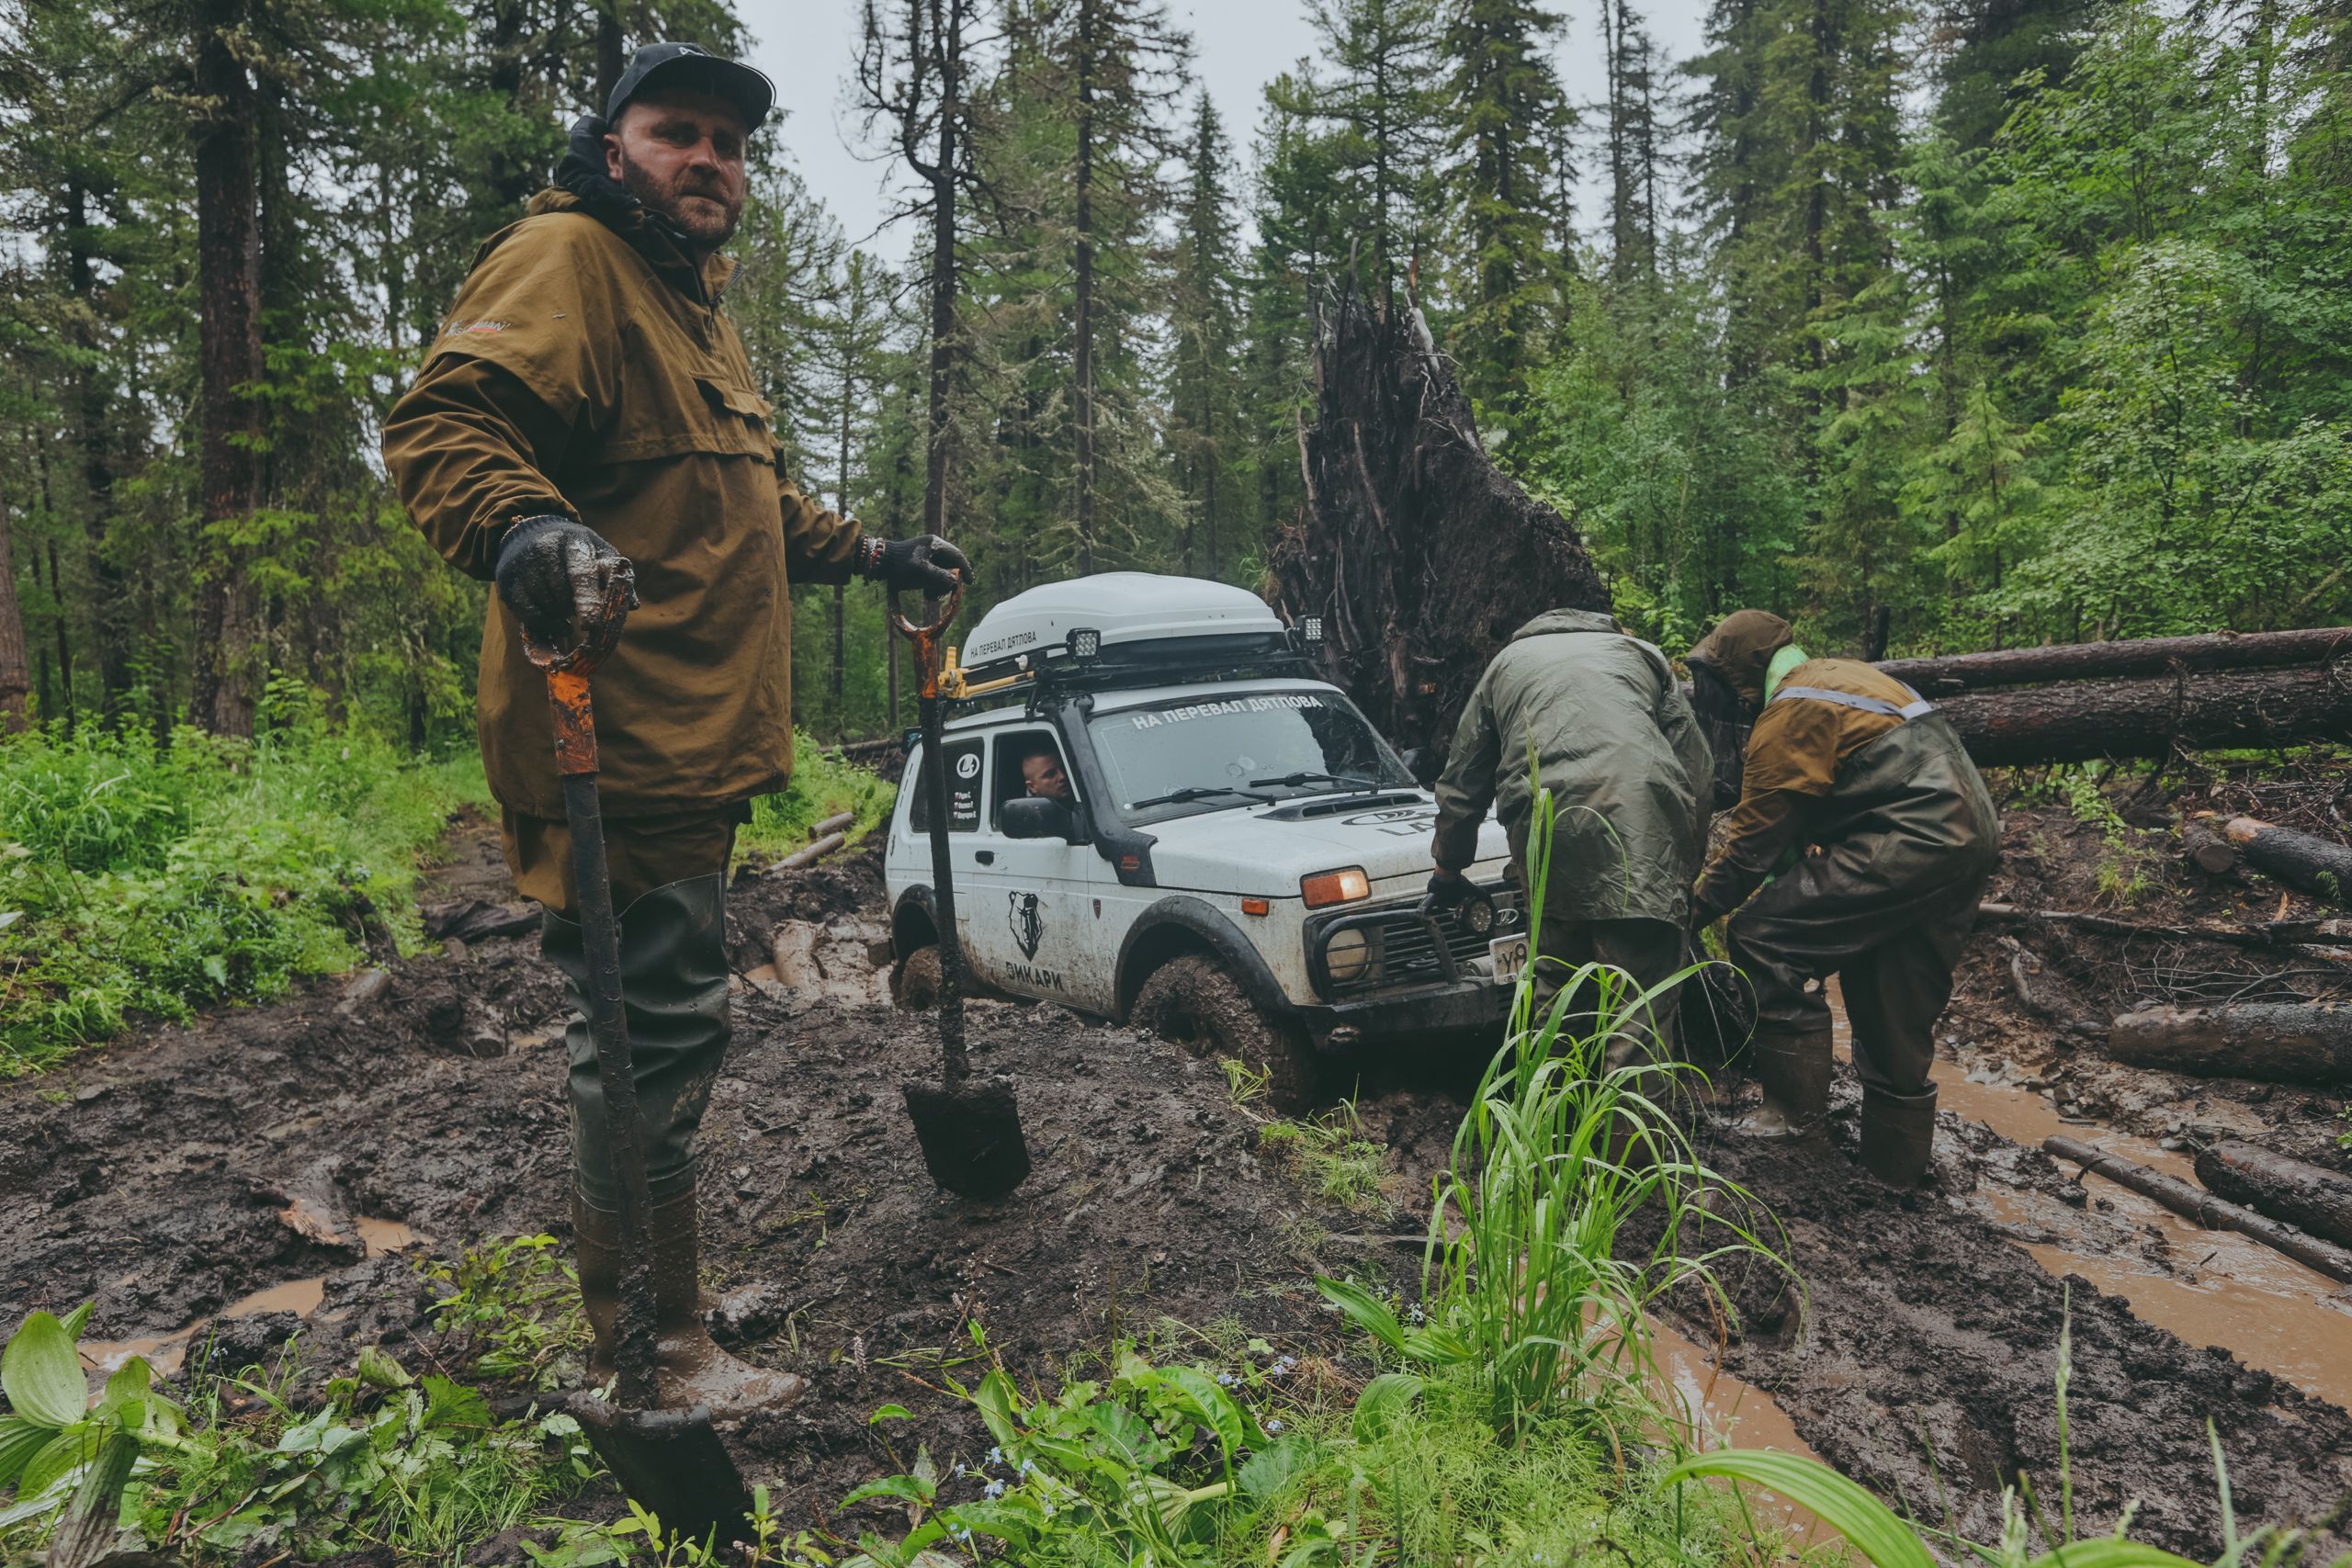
[174, 1176]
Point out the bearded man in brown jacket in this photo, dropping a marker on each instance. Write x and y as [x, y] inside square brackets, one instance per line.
[588, 409]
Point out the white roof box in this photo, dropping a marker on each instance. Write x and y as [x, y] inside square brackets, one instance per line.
[1124, 608]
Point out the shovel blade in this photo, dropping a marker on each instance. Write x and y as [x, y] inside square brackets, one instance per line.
[672, 1464]
[970, 1136]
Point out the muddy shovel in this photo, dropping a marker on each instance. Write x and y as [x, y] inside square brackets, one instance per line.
[670, 1461]
[970, 1127]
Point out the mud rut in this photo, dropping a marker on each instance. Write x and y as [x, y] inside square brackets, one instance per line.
[264, 1160]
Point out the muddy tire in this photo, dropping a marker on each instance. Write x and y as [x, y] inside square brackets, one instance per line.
[1194, 1002]
[915, 982]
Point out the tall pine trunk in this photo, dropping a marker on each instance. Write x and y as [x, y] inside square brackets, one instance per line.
[15, 682]
[1082, 286]
[229, 350]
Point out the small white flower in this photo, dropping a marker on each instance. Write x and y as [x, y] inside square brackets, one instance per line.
[995, 1456]
[993, 1489]
[1227, 1378]
[1273, 1426]
[1027, 1467]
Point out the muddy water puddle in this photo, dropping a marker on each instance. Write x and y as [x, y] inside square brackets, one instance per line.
[2210, 1287]
[166, 1352]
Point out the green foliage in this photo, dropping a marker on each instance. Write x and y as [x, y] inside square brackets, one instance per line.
[824, 785]
[1265, 1462]
[2125, 868]
[160, 878]
[1329, 1155]
[511, 1311]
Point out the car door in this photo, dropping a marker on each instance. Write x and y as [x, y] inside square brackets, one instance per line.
[1034, 921]
[965, 757]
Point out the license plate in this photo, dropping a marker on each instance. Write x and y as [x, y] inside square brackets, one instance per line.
[1508, 954]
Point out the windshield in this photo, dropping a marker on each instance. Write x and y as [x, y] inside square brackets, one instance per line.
[1218, 753]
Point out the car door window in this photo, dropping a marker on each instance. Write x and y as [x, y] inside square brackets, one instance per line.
[1029, 763]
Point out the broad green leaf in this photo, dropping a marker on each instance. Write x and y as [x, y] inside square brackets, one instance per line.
[905, 1488]
[1271, 1469]
[447, 1404]
[891, 1413]
[378, 1369]
[19, 1441]
[1384, 1399]
[88, 1528]
[2109, 1552]
[41, 1373]
[1868, 1526]
[1364, 1310]
[130, 1384]
[1227, 1420]
[66, 1452]
[998, 1406]
[78, 1320]
[1015, 1522]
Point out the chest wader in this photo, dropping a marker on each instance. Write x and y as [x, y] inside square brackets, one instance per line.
[1908, 836]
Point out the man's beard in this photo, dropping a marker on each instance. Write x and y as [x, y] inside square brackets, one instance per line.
[695, 222]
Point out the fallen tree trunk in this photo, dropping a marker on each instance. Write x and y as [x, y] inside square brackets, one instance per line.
[2214, 1213]
[2207, 849]
[2275, 1041]
[2271, 934]
[2308, 1196]
[1959, 672]
[2077, 722]
[1421, 556]
[2316, 866]
[810, 853]
[837, 824]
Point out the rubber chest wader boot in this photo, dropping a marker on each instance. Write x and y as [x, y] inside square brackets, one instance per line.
[674, 980]
[1794, 1071]
[1898, 1135]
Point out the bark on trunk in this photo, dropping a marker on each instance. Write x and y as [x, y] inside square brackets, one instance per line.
[2086, 719]
[2316, 866]
[2185, 1200]
[1082, 291]
[1420, 555]
[229, 348]
[2206, 850]
[2276, 1042]
[2119, 661]
[15, 682]
[2310, 1197]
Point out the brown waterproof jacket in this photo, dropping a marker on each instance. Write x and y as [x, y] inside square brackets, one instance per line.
[587, 368]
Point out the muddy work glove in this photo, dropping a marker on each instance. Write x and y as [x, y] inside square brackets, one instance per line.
[1444, 893]
[925, 564]
[556, 575]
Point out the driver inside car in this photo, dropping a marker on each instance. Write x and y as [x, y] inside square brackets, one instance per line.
[1041, 771]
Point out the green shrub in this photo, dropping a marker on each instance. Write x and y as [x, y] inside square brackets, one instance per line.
[158, 878]
[824, 783]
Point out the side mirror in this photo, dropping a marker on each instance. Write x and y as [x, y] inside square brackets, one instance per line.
[1034, 816]
[1424, 763]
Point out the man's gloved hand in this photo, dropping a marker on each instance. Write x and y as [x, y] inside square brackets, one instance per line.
[556, 574]
[925, 564]
[1448, 890]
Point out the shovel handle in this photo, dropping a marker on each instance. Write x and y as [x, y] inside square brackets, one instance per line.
[566, 670]
[954, 1064]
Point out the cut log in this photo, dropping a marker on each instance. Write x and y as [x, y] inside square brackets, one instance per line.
[2203, 846]
[810, 854]
[2308, 1197]
[2191, 1203]
[2119, 661]
[2087, 719]
[840, 824]
[2275, 1041]
[2273, 934]
[1420, 555]
[2316, 866]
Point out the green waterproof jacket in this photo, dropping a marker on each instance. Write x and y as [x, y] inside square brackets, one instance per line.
[1613, 736]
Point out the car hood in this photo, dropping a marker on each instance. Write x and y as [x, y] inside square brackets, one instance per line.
[1264, 851]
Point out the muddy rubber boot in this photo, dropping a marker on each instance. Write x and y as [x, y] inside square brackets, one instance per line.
[1898, 1135]
[692, 1370]
[1794, 1071]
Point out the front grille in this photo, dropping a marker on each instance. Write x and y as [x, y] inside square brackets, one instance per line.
[1402, 951]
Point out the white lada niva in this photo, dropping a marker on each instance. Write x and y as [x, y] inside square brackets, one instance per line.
[1158, 814]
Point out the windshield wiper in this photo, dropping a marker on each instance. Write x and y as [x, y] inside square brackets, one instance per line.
[1196, 792]
[1350, 781]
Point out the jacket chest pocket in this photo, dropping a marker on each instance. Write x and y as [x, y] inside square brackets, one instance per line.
[667, 411]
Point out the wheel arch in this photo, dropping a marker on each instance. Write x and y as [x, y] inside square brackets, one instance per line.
[913, 923]
[1179, 924]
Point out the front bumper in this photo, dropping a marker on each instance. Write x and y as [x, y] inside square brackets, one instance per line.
[1416, 979]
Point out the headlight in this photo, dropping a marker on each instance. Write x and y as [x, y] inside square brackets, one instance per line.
[1477, 915]
[1349, 957]
[1344, 886]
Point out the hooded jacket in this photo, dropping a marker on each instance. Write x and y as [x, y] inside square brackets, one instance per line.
[587, 368]
[1614, 739]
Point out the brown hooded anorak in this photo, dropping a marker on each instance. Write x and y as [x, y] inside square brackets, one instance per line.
[588, 369]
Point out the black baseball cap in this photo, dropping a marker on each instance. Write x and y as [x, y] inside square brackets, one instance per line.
[695, 69]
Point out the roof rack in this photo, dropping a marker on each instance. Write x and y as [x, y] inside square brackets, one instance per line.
[1082, 663]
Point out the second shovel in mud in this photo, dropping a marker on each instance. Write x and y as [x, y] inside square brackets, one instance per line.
[970, 1127]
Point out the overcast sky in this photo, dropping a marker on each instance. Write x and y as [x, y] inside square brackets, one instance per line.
[808, 46]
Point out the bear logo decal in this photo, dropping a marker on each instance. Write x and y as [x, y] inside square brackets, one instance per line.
[1028, 924]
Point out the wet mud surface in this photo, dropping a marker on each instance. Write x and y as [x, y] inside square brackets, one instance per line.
[175, 1176]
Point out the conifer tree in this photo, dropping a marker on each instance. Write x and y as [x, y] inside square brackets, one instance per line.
[1204, 414]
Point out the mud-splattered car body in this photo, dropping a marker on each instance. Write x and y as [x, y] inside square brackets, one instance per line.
[1219, 800]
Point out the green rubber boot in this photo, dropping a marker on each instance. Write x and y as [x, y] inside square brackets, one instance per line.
[1794, 1071]
[1898, 1135]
